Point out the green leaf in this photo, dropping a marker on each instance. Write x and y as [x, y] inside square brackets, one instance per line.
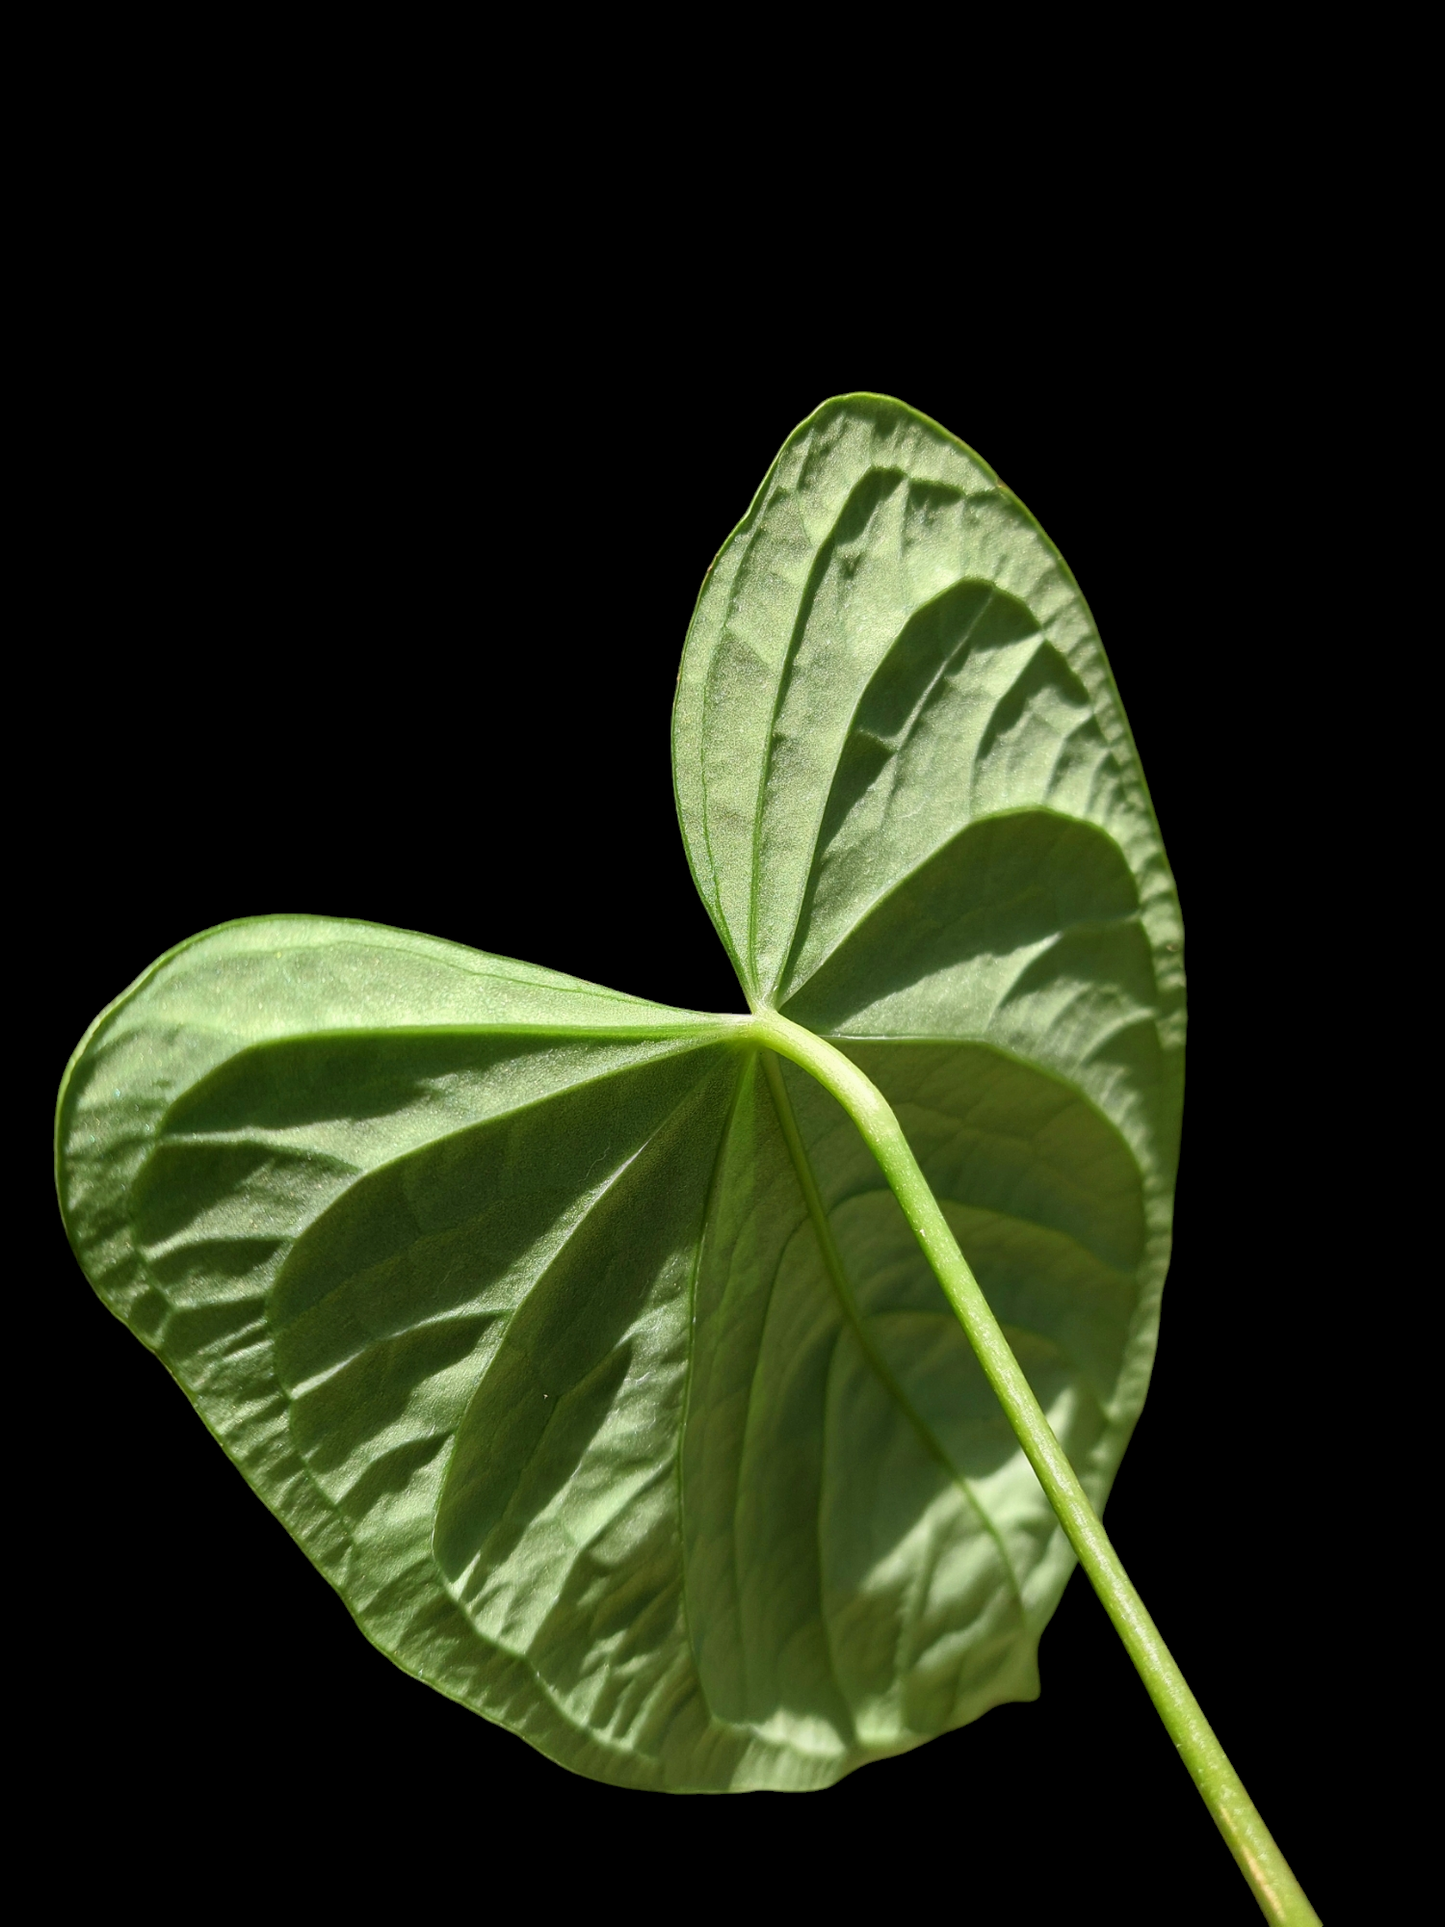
[580, 1341]
[913, 807]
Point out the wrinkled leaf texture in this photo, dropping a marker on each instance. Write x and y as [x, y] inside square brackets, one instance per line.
[581, 1345]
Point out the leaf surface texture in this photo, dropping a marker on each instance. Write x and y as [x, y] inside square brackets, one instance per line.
[580, 1343]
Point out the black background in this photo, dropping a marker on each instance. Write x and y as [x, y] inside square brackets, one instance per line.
[369, 603]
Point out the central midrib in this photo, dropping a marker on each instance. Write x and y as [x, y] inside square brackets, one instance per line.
[838, 1276]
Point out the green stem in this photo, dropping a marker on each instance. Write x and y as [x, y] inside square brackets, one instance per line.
[1263, 1865]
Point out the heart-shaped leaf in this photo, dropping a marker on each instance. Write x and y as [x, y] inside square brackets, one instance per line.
[580, 1340]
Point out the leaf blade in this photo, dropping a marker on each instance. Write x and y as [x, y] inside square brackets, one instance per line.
[223, 1278]
[914, 809]
[394, 1200]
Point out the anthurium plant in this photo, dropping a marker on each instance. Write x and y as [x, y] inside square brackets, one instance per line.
[717, 1401]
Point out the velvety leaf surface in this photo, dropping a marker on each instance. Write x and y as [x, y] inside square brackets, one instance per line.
[581, 1344]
